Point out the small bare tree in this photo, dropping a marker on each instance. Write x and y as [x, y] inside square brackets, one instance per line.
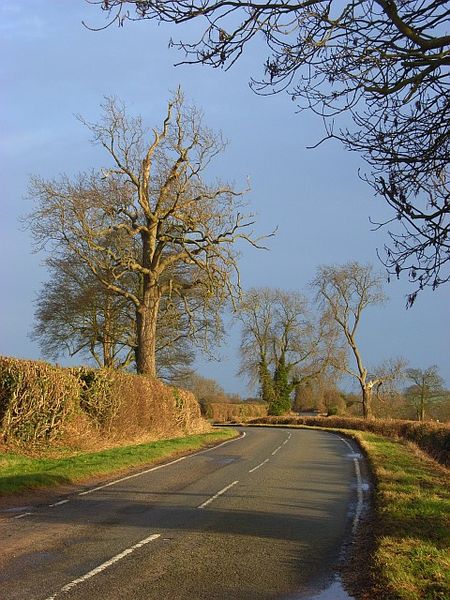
[345, 292]
[76, 314]
[320, 393]
[427, 388]
[145, 214]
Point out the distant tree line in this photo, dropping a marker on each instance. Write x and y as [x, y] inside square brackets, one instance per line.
[296, 355]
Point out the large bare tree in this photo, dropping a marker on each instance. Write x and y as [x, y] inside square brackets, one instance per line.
[76, 315]
[147, 212]
[345, 292]
[385, 63]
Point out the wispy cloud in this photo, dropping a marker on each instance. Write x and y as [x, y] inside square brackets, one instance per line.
[20, 21]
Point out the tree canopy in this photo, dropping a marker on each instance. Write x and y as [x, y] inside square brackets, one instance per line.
[385, 63]
[427, 388]
[345, 292]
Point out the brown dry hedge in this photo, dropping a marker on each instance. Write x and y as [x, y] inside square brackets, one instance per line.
[41, 403]
[36, 400]
[236, 411]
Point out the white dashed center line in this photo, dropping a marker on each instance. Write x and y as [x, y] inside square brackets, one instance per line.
[217, 495]
[58, 503]
[260, 465]
[104, 566]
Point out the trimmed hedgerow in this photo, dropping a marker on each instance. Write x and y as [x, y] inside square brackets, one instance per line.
[234, 411]
[41, 403]
[36, 400]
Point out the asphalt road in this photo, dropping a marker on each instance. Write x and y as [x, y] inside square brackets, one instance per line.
[264, 516]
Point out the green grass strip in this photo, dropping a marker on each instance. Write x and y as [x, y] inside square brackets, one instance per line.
[412, 505]
[19, 473]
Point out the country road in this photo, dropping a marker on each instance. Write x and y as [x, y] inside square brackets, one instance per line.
[264, 516]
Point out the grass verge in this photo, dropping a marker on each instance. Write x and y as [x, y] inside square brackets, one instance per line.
[19, 473]
[412, 520]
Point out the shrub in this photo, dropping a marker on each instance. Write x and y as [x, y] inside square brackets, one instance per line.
[280, 406]
[146, 404]
[97, 398]
[40, 403]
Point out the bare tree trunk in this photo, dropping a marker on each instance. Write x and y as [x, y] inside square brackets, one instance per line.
[146, 319]
[367, 401]
[422, 407]
[108, 361]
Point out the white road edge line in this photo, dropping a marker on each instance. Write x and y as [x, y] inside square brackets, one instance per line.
[260, 465]
[359, 505]
[243, 434]
[100, 487]
[104, 565]
[348, 444]
[23, 515]
[359, 488]
[172, 462]
[216, 495]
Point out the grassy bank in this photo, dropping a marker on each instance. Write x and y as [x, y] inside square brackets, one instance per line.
[19, 473]
[412, 520]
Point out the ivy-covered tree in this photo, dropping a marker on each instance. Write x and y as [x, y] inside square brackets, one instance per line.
[282, 343]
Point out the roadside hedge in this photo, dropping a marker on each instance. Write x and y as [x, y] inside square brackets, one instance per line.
[432, 438]
[41, 404]
[36, 400]
[233, 411]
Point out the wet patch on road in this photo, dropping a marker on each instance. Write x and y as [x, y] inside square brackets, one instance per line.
[334, 592]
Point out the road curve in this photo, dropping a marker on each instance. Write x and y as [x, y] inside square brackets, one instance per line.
[264, 516]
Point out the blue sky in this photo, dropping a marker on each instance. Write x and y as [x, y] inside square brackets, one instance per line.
[54, 68]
